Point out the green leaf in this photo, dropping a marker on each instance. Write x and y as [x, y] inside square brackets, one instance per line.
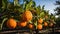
[29, 5]
[35, 24]
[4, 16]
[43, 7]
[16, 3]
[1, 25]
[4, 3]
[37, 11]
[42, 14]
[30, 22]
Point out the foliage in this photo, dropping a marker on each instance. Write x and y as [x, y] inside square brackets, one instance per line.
[15, 10]
[58, 8]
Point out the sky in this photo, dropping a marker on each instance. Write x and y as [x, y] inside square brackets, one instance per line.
[49, 4]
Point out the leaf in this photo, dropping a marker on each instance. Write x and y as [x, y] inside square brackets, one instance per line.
[4, 3]
[43, 7]
[16, 3]
[42, 14]
[30, 4]
[35, 24]
[1, 25]
[3, 16]
[30, 22]
[37, 11]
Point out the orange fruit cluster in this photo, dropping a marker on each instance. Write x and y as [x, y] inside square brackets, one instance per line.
[26, 17]
[39, 26]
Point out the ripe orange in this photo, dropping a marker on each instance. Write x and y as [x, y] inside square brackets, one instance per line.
[11, 23]
[27, 15]
[40, 21]
[51, 24]
[39, 26]
[22, 23]
[31, 26]
[45, 24]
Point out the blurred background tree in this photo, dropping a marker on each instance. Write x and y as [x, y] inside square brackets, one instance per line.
[57, 10]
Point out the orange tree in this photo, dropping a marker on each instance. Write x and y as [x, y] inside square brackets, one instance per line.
[27, 12]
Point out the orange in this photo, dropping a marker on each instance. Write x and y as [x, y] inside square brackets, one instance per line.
[39, 26]
[45, 24]
[11, 23]
[27, 15]
[40, 21]
[30, 26]
[51, 24]
[22, 23]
